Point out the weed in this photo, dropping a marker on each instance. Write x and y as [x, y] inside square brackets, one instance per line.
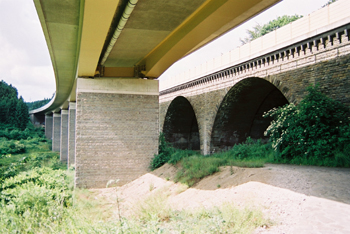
[151, 186]
[118, 204]
[231, 169]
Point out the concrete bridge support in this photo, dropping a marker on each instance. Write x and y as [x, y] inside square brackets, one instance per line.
[48, 126]
[71, 133]
[56, 132]
[116, 129]
[64, 136]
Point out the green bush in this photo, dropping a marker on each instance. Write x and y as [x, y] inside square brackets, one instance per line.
[315, 130]
[197, 167]
[250, 149]
[178, 155]
[13, 133]
[193, 166]
[164, 153]
[11, 147]
[34, 199]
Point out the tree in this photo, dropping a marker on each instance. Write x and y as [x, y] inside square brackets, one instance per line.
[259, 30]
[13, 110]
[21, 114]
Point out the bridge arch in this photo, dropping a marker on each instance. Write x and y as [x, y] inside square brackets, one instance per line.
[180, 126]
[240, 113]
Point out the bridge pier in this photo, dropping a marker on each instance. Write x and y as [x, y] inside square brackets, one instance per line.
[71, 133]
[64, 136]
[116, 129]
[56, 132]
[48, 126]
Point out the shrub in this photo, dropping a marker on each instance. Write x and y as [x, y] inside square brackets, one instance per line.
[178, 155]
[33, 200]
[11, 147]
[317, 128]
[250, 149]
[197, 167]
[164, 153]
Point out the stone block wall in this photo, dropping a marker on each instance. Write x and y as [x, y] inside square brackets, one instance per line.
[116, 130]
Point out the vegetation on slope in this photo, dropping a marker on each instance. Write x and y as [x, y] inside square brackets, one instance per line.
[37, 104]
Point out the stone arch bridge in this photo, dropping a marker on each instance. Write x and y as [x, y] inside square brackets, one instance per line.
[218, 110]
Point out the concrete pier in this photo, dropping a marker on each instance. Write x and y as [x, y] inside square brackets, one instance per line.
[48, 126]
[71, 133]
[116, 129]
[64, 136]
[56, 134]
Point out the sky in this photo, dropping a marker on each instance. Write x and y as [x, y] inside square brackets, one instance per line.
[25, 61]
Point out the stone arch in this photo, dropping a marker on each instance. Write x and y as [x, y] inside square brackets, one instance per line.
[180, 125]
[240, 113]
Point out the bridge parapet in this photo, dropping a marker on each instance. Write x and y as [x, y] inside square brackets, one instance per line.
[322, 47]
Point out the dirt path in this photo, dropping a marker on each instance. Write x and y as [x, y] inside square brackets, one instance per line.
[299, 199]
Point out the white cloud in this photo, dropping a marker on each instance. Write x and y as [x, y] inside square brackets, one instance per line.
[24, 60]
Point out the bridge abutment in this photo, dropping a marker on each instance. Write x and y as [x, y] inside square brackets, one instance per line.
[116, 129]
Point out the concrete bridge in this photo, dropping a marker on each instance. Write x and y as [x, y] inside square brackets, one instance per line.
[221, 103]
[107, 56]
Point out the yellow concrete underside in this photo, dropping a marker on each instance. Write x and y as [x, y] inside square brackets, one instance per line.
[213, 19]
[98, 16]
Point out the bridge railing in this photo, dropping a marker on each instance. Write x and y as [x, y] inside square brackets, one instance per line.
[322, 20]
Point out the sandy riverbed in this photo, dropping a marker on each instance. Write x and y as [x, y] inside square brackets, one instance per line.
[299, 199]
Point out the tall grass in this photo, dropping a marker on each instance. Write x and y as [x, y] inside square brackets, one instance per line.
[193, 166]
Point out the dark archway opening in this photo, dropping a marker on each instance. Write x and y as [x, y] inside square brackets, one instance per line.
[240, 114]
[180, 125]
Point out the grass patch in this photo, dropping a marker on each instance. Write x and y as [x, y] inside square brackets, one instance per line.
[154, 216]
[193, 166]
